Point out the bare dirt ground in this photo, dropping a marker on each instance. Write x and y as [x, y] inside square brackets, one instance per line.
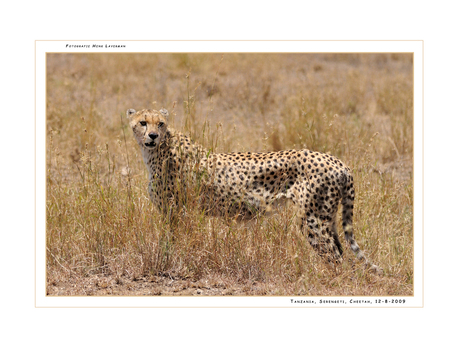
[333, 282]
[99, 285]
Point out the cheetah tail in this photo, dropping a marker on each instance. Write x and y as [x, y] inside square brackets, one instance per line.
[348, 196]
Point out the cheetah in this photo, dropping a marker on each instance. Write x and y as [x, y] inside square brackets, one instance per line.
[244, 183]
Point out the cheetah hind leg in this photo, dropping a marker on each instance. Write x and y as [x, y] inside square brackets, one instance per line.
[323, 239]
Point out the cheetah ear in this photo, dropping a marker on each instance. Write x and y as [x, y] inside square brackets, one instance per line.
[129, 112]
[164, 112]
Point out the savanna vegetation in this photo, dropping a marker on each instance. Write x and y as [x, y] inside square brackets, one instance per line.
[104, 236]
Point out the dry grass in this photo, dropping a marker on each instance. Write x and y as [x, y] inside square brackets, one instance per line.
[105, 237]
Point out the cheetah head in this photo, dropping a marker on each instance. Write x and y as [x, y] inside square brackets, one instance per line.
[149, 126]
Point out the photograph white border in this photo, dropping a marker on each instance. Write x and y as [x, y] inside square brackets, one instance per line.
[44, 47]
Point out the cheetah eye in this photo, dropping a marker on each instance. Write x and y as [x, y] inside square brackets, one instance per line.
[143, 123]
[161, 124]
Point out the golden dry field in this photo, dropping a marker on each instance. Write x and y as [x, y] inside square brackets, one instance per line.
[104, 236]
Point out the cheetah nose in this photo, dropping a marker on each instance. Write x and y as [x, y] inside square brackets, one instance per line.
[153, 136]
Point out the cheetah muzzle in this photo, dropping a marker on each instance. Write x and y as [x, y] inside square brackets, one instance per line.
[247, 182]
